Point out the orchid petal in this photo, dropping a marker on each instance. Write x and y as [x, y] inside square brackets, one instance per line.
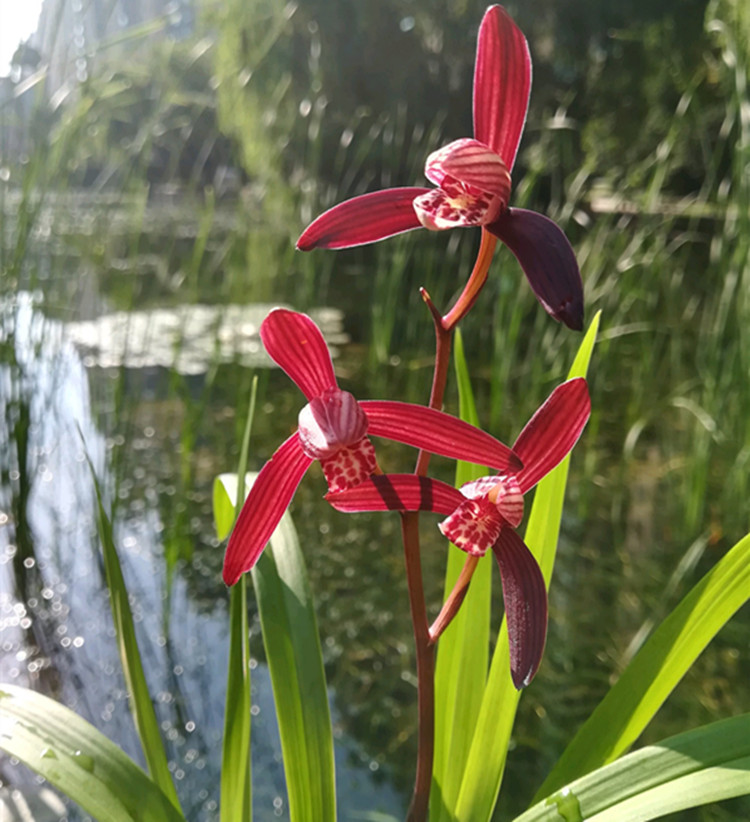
[502, 84]
[329, 422]
[269, 497]
[551, 433]
[365, 219]
[438, 433]
[471, 163]
[479, 487]
[295, 344]
[525, 599]
[398, 492]
[548, 261]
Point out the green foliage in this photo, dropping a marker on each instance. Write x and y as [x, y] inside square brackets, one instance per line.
[293, 651]
[656, 669]
[236, 762]
[484, 770]
[701, 766]
[141, 706]
[79, 760]
[463, 650]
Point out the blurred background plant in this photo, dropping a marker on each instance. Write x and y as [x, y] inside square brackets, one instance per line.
[158, 161]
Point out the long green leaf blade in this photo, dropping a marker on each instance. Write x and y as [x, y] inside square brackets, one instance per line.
[79, 760]
[236, 762]
[708, 764]
[483, 774]
[139, 698]
[295, 662]
[236, 790]
[655, 670]
[463, 650]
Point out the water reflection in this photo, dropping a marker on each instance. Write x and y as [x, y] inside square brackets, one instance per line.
[56, 632]
[189, 339]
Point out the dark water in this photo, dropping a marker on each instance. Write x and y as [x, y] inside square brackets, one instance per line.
[156, 397]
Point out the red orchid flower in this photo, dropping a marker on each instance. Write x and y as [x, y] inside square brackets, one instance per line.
[483, 515]
[333, 428]
[473, 182]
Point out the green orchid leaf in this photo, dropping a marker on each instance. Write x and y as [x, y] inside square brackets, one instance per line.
[463, 650]
[295, 662]
[224, 504]
[79, 760]
[139, 699]
[708, 764]
[655, 670]
[483, 773]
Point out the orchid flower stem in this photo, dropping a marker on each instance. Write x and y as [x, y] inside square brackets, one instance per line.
[424, 645]
[456, 597]
[474, 284]
[425, 652]
[424, 636]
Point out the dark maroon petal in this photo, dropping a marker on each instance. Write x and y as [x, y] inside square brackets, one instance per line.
[295, 343]
[525, 599]
[398, 492]
[551, 433]
[548, 261]
[502, 83]
[269, 497]
[364, 219]
[437, 433]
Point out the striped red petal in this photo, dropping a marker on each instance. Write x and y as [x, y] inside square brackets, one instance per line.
[552, 432]
[471, 163]
[502, 84]
[364, 219]
[269, 497]
[295, 343]
[548, 261]
[525, 599]
[398, 492]
[437, 433]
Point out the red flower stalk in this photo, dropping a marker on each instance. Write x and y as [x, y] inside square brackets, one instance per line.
[484, 514]
[334, 428]
[472, 176]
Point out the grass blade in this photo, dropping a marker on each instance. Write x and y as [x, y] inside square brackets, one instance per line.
[139, 698]
[78, 759]
[463, 650]
[236, 763]
[483, 774]
[708, 764]
[655, 670]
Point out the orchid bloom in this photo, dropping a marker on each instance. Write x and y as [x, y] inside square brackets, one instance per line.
[484, 514]
[333, 428]
[472, 176]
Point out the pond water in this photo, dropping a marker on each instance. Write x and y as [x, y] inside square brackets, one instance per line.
[54, 612]
[154, 394]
